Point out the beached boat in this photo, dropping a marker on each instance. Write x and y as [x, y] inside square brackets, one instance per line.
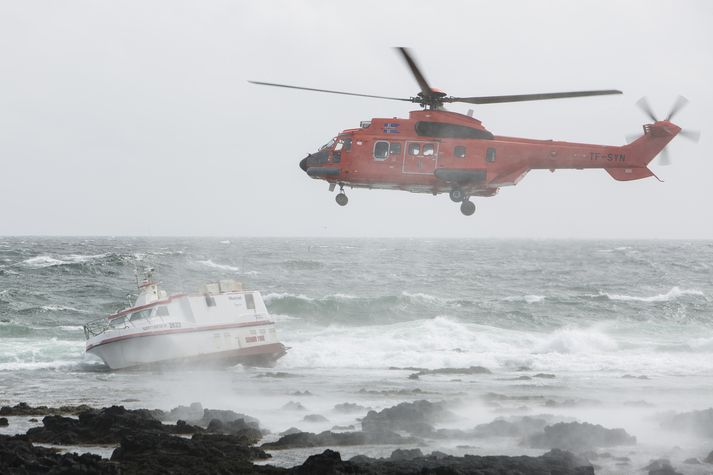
[223, 324]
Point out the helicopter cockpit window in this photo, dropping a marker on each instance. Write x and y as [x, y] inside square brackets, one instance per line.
[414, 149]
[395, 148]
[459, 151]
[428, 149]
[381, 150]
[327, 145]
[343, 144]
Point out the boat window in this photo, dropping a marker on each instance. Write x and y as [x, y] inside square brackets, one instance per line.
[395, 148]
[490, 155]
[459, 151]
[209, 300]
[250, 301]
[381, 150]
[428, 149]
[162, 311]
[118, 322]
[414, 149]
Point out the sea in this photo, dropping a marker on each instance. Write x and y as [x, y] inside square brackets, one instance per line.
[616, 333]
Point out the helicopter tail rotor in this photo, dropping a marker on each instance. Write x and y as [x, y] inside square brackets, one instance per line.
[679, 103]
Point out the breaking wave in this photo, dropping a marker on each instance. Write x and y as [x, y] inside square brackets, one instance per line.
[672, 294]
[225, 267]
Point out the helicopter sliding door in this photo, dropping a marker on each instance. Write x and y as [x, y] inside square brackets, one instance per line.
[420, 158]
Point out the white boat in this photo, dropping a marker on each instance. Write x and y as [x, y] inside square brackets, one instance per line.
[222, 324]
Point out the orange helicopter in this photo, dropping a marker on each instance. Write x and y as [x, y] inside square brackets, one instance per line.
[438, 151]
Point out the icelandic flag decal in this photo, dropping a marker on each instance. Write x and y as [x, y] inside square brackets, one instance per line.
[391, 128]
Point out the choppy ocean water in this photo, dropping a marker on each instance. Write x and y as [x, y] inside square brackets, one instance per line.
[625, 328]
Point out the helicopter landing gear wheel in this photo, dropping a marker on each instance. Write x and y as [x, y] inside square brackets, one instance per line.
[467, 207]
[456, 195]
[341, 199]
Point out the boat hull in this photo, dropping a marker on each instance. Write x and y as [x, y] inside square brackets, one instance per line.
[217, 345]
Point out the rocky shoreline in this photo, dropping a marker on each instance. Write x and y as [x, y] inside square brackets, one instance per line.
[206, 441]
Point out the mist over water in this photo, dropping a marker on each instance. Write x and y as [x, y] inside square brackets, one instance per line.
[623, 331]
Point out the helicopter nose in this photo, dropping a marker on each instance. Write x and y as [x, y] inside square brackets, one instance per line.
[303, 163]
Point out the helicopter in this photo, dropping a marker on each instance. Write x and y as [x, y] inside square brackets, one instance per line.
[439, 151]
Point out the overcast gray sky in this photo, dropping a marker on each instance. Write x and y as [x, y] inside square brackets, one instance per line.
[136, 118]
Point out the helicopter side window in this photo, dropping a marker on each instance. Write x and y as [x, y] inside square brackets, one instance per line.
[459, 151]
[428, 149]
[414, 149]
[347, 144]
[381, 150]
[395, 148]
[490, 155]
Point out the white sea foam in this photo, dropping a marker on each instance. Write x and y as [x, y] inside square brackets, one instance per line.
[672, 294]
[272, 296]
[416, 296]
[226, 267]
[525, 298]
[39, 262]
[60, 308]
[227, 241]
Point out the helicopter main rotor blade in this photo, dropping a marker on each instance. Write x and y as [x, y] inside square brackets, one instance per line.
[329, 91]
[420, 79]
[529, 97]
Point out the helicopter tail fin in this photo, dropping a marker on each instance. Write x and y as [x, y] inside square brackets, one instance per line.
[634, 173]
[648, 146]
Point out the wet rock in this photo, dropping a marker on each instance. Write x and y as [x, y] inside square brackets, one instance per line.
[103, 426]
[300, 393]
[201, 454]
[314, 418]
[631, 376]
[335, 439]
[544, 376]
[186, 413]
[294, 406]
[661, 467]
[291, 430]
[23, 409]
[405, 454]
[237, 427]
[349, 408]
[451, 371]
[579, 436]
[696, 422]
[32, 419]
[4, 422]
[413, 376]
[20, 456]
[416, 418]
[554, 461]
[709, 458]
[516, 427]
[225, 416]
[276, 374]
[692, 461]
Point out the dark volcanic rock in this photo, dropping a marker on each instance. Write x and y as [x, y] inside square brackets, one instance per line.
[416, 418]
[23, 409]
[225, 416]
[451, 371]
[4, 422]
[544, 376]
[695, 422]
[294, 406]
[237, 427]
[186, 413]
[103, 426]
[19, 456]
[661, 467]
[334, 439]
[516, 427]
[579, 436]
[314, 418]
[553, 462]
[202, 454]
